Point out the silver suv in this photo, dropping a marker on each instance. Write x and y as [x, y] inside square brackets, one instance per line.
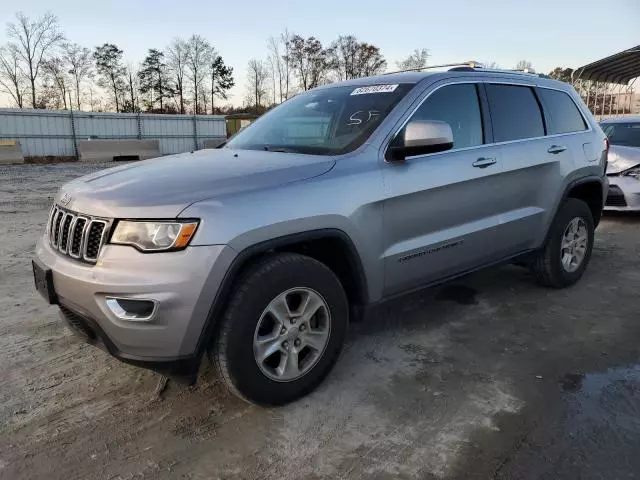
[260, 252]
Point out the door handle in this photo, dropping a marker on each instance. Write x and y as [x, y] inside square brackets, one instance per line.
[484, 162]
[556, 149]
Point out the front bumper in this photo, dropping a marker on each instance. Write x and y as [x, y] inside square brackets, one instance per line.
[183, 284]
[624, 194]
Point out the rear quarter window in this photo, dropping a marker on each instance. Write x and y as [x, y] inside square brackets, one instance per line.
[515, 112]
[564, 116]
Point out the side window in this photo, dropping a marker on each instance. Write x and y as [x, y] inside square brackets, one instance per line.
[515, 112]
[458, 106]
[563, 112]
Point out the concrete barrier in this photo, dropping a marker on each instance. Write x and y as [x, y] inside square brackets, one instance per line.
[213, 142]
[10, 152]
[108, 150]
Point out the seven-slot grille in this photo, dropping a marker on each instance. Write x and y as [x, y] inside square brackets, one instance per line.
[75, 235]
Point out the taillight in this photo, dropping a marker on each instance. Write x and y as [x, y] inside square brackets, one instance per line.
[606, 143]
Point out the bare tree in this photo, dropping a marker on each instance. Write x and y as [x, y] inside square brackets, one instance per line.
[256, 81]
[276, 66]
[299, 59]
[272, 69]
[54, 69]
[33, 40]
[350, 58]
[524, 65]
[130, 103]
[48, 94]
[280, 65]
[203, 98]
[199, 58]
[415, 61]
[285, 38]
[491, 65]
[12, 80]
[80, 66]
[309, 60]
[95, 100]
[177, 54]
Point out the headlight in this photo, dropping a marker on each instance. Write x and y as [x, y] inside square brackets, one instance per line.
[633, 172]
[154, 236]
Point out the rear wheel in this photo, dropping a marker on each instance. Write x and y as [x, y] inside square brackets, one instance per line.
[566, 255]
[283, 329]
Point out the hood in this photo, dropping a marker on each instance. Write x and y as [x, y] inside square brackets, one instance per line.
[163, 187]
[622, 158]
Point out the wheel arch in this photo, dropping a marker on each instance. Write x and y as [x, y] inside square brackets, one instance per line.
[331, 246]
[591, 191]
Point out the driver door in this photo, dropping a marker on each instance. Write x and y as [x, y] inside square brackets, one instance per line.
[442, 210]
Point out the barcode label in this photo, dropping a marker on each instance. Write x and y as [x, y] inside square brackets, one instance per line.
[374, 89]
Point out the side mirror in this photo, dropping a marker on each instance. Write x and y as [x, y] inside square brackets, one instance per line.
[419, 137]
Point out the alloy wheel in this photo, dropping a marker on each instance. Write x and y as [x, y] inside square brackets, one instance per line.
[292, 334]
[574, 244]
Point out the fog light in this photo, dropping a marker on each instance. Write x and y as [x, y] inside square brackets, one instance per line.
[131, 309]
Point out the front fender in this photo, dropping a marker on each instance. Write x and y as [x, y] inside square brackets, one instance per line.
[348, 200]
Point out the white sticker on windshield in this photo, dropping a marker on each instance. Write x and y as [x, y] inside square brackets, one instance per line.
[374, 89]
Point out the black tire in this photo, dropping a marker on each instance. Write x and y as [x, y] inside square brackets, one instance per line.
[547, 265]
[232, 349]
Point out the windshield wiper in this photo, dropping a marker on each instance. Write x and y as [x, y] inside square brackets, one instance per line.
[301, 149]
[280, 149]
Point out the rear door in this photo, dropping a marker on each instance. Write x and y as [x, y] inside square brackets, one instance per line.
[534, 164]
[441, 211]
[566, 127]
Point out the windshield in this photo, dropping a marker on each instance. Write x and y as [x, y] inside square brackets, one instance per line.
[330, 121]
[624, 134]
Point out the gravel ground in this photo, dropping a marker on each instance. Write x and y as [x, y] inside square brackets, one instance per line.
[489, 377]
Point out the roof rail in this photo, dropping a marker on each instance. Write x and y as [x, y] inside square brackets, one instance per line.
[509, 71]
[469, 66]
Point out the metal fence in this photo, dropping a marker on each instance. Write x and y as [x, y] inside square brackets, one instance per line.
[57, 132]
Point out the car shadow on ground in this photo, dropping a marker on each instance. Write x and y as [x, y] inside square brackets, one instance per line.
[464, 293]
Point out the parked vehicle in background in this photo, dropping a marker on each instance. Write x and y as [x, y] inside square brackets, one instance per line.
[623, 169]
[341, 198]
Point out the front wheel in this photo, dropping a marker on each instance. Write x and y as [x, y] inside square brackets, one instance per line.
[282, 330]
[567, 252]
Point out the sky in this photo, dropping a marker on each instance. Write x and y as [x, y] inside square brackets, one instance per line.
[549, 33]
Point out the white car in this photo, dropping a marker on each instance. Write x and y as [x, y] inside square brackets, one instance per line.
[623, 169]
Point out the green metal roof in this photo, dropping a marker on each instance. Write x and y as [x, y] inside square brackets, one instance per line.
[618, 68]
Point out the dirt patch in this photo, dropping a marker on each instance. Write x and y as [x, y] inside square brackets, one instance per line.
[493, 378]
